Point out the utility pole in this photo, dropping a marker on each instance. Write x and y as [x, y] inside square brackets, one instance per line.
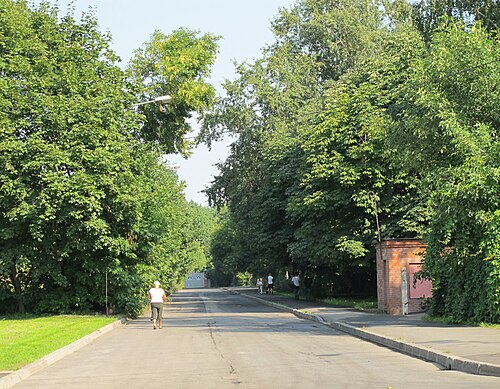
[107, 312]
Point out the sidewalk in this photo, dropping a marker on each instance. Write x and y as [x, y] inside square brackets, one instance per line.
[473, 350]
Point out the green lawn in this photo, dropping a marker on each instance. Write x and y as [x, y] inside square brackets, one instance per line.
[357, 303]
[349, 302]
[448, 320]
[25, 338]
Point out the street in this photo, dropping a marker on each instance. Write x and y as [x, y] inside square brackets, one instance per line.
[214, 339]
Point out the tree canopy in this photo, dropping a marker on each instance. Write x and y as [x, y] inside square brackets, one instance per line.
[176, 64]
[363, 111]
[84, 194]
[362, 120]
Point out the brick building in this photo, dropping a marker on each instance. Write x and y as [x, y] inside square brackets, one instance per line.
[397, 262]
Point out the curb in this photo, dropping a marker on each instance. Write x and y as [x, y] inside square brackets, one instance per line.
[17, 376]
[447, 361]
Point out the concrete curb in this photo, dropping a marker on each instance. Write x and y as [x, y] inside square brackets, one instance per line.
[447, 361]
[17, 376]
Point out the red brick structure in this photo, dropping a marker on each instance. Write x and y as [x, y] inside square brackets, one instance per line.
[397, 261]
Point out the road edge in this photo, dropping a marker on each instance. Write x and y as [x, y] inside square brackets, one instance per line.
[17, 376]
[447, 361]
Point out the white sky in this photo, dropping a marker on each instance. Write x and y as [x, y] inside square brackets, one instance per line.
[243, 25]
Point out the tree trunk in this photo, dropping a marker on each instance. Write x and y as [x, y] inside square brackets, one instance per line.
[17, 289]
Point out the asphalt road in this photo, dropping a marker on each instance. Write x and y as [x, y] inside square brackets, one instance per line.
[214, 339]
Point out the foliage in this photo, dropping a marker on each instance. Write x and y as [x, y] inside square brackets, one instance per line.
[177, 65]
[429, 14]
[349, 178]
[243, 279]
[65, 155]
[364, 111]
[448, 127]
[82, 196]
[309, 160]
[332, 33]
[224, 251]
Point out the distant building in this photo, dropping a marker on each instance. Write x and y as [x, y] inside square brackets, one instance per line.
[197, 281]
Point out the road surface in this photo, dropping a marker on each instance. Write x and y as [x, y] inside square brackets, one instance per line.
[214, 339]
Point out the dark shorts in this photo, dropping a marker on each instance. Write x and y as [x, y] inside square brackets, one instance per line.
[157, 311]
[270, 286]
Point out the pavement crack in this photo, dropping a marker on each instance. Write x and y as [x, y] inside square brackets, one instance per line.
[211, 330]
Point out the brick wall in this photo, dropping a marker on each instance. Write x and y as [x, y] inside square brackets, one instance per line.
[392, 256]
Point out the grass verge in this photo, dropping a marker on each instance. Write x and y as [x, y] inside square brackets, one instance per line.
[26, 338]
[364, 304]
[448, 320]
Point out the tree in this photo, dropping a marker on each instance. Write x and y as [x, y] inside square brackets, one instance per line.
[393, 113]
[332, 33]
[225, 252]
[175, 64]
[83, 194]
[65, 156]
[349, 175]
[429, 14]
[447, 126]
[292, 208]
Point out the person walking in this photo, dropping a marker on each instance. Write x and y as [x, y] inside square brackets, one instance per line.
[296, 285]
[156, 297]
[270, 284]
[260, 285]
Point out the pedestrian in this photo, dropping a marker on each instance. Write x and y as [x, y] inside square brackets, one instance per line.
[260, 285]
[308, 285]
[270, 284]
[296, 285]
[156, 297]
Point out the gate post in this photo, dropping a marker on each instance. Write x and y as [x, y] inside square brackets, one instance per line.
[404, 291]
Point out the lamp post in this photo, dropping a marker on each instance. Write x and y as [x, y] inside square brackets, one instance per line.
[107, 310]
[380, 258]
[379, 235]
[162, 100]
[376, 216]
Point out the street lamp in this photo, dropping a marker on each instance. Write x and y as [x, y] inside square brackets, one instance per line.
[162, 100]
[376, 215]
[107, 310]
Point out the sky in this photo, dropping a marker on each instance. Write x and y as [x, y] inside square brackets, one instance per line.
[245, 30]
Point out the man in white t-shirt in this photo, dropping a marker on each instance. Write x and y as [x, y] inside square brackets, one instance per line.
[270, 284]
[156, 297]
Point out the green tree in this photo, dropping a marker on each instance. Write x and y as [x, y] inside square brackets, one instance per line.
[226, 259]
[349, 176]
[400, 107]
[447, 127]
[176, 64]
[291, 206]
[429, 14]
[82, 193]
[65, 157]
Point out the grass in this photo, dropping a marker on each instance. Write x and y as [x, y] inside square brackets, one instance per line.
[449, 320]
[26, 338]
[495, 326]
[361, 303]
[364, 304]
